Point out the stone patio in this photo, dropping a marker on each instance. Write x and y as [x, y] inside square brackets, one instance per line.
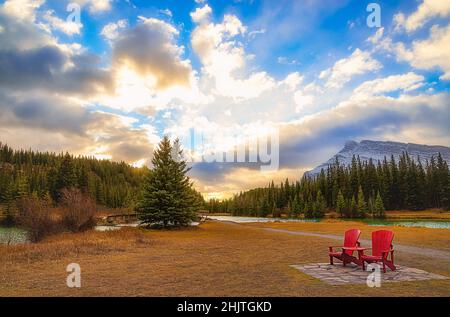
[352, 274]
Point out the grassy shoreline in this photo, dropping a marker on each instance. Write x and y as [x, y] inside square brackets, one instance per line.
[215, 259]
[430, 214]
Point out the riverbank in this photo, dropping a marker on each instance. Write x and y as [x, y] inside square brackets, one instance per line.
[214, 259]
[429, 214]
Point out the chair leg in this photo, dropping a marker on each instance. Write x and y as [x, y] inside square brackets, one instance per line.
[363, 265]
[391, 265]
[384, 267]
[331, 260]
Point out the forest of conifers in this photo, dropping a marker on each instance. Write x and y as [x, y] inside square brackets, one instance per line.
[25, 172]
[359, 190]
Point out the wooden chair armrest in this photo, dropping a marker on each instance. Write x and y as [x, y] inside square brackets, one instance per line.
[330, 248]
[385, 253]
[352, 248]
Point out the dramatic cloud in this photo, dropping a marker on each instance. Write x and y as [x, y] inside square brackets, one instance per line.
[114, 89]
[150, 50]
[22, 9]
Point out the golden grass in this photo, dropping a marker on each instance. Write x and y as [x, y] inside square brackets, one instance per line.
[215, 259]
[437, 214]
[425, 237]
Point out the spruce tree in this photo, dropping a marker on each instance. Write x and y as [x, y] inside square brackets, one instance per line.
[320, 206]
[361, 203]
[340, 204]
[379, 207]
[168, 198]
[296, 207]
[353, 207]
[67, 176]
[309, 207]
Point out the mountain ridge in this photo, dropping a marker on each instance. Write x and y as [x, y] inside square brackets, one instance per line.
[377, 150]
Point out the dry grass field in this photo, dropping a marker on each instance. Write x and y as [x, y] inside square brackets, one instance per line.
[437, 214]
[215, 259]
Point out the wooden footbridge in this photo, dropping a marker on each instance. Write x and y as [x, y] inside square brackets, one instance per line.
[127, 218]
[134, 217]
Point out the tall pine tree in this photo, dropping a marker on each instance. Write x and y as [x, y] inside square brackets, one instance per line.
[168, 198]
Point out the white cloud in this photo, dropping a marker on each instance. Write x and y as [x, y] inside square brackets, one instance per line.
[303, 102]
[286, 61]
[374, 39]
[358, 63]
[166, 12]
[426, 10]
[111, 30]
[201, 15]
[254, 33]
[22, 9]
[68, 27]
[150, 50]
[293, 80]
[405, 82]
[100, 5]
[429, 53]
[95, 6]
[223, 58]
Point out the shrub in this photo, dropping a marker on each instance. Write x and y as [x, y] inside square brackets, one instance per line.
[36, 218]
[77, 210]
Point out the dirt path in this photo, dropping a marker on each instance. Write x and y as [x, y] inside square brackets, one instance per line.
[434, 253]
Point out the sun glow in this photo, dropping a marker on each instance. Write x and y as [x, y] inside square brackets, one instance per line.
[139, 163]
[133, 91]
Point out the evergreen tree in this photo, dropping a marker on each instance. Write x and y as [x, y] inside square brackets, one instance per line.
[340, 204]
[296, 207]
[353, 207]
[309, 207]
[379, 207]
[67, 177]
[361, 204]
[167, 197]
[320, 206]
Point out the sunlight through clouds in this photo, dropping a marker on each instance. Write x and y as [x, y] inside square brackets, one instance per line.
[114, 84]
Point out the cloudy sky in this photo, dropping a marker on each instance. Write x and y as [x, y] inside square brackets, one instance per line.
[112, 83]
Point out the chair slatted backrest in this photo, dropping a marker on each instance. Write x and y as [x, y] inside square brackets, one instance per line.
[381, 241]
[351, 238]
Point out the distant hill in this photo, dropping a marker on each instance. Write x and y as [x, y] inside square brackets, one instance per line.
[377, 150]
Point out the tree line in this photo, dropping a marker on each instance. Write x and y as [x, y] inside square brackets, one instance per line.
[361, 189]
[44, 175]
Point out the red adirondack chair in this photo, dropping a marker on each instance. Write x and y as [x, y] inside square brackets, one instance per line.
[381, 248]
[350, 245]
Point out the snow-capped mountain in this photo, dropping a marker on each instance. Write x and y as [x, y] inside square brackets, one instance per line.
[377, 150]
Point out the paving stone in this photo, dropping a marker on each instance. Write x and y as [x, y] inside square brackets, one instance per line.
[352, 274]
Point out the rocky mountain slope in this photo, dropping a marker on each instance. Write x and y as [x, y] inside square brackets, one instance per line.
[377, 150]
